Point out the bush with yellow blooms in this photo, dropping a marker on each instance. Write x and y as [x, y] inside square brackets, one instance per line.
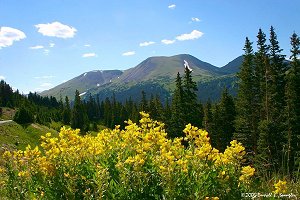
[139, 162]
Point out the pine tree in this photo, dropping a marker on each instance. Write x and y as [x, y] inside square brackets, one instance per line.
[227, 114]
[292, 109]
[107, 110]
[208, 117]
[277, 99]
[144, 102]
[23, 116]
[79, 117]
[191, 109]
[271, 128]
[67, 112]
[176, 124]
[261, 72]
[246, 122]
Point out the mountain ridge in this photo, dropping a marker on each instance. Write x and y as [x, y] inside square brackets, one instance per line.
[153, 72]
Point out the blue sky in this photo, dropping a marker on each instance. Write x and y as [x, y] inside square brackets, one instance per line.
[43, 43]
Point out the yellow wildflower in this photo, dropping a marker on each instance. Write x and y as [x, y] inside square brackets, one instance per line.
[247, 172]
[280, 187]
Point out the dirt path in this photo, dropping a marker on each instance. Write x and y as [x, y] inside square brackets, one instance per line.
[6, 121]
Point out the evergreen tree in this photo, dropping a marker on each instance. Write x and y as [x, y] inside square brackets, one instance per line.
[227, 114]
[23, 116]
[144, 102]
[107, 110]
[67, 112]
[246, 122]
[271, 129]
[192, 112]
[261, 72]
[177, 118]
[292, 109]
[208, 117]
[79, 117]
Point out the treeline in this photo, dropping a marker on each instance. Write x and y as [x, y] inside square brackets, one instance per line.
[29, 107]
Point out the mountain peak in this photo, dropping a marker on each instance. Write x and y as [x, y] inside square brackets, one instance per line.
[160, 70]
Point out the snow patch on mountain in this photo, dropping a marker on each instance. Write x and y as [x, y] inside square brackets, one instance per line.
[82, 94]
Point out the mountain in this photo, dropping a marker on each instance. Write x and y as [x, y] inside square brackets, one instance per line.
[155, 75]
[162, 66]
[83, 82]
[233, 66]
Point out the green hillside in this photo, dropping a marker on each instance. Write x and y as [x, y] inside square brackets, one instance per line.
[15, 136]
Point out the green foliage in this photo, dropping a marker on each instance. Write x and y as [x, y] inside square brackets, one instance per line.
[66, 118]
[177, 113]
[246, 123]
[23, 116]
[79, 118]
[292, 109]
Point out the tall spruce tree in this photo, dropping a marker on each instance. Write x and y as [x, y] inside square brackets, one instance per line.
[67, 112]
[246, 122]
[208, 117]
[177, 122]
[261, 72]
[271, 141]
[144, 103]
[292, 109]
[79, 117]
[192, 111]
[227, 114]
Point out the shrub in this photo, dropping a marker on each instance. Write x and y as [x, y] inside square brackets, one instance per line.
[23, 116]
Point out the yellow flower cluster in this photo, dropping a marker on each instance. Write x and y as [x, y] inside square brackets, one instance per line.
[247, 172]
[133, 159]
[280, 187]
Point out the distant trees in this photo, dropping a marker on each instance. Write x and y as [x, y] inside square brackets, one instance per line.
[66, 112]
[79, 116]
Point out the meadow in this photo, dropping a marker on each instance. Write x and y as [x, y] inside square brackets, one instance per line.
[139, 162]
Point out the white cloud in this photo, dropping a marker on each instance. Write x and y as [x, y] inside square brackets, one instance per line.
[44, 77]
[87, 45]
[86, 55]
[172, 6]
[190, 36]
[168, 41]
[37, 47]
[2, 77]
[129, 53]
[51, 45]
[8, 35]
[56, 29]
[144, 44]
[195, 19]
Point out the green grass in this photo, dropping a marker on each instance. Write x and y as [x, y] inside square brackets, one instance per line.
[15, 136]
